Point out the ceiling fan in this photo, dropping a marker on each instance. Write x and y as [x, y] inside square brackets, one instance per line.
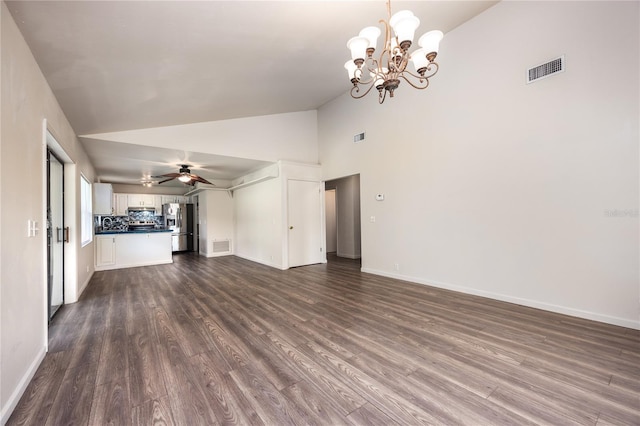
[184, 175]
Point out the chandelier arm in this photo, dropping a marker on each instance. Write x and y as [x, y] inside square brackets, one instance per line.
[423, 81]
[433, 68]
[371, 65]
[425, 76]
[356, 89]
[358, 75]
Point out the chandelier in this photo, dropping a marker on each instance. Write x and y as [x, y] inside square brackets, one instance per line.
[385, 71]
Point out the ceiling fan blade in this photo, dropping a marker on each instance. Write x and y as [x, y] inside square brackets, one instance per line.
[197, 178]
[166, 180]
[171, 175]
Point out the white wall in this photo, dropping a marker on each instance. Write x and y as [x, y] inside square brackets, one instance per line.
[291, 136]
[27, 101]
[260, 211]
[525, 193]
[259, 221]
[216, 220]
[122, 188]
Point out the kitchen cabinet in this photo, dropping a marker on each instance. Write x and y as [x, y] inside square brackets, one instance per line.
[121, 204]
[102, 198]
[175, 199]
[157, 202]
[131, 249]
[123, 201]
[105, 250]
[141, 200]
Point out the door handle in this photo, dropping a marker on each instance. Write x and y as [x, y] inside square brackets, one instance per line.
[66, 234]
[291, 227]
[59, 237]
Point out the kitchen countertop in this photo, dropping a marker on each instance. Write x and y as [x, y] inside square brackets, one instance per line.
[135, 231]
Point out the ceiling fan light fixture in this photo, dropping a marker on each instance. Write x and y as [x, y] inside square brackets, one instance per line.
[184, 175]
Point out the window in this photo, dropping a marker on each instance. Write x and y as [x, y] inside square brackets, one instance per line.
[86, 213]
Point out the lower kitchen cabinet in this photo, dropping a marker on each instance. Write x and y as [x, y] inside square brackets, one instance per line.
[128, 250]
[105, 250]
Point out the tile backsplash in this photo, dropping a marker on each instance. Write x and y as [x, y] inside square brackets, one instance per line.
[121, 223]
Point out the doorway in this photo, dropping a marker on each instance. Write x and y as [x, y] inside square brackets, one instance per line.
[342, 216]
[57, 234]
[330, 215]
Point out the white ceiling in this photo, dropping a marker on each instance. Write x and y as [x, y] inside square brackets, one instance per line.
[122, 65]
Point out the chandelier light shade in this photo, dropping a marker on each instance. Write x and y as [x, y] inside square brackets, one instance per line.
[184, 178]
[386, 70]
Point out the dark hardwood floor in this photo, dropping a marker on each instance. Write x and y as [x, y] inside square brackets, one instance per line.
[228, 341]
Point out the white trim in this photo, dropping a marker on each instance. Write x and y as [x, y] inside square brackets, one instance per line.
[226, 253]
[132, 265]
[622, 322]
[83, 286]
[83, 242]
[45, 249]
[349, 256]
[13, 400]
[262, 262]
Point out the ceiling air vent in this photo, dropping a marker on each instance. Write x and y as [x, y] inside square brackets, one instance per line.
[545, 70]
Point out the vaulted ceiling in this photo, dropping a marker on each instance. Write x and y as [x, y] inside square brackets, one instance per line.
[122, 65]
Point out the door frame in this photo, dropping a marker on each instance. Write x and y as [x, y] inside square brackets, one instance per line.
[50, 141]
[51, 154]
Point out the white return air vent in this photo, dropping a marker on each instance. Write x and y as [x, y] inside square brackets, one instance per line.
[221, 246]
[545, 70]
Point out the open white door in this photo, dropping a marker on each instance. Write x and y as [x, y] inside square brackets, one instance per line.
[305, 222]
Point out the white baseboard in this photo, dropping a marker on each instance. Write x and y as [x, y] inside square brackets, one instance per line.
[622, 322]
[133, 265]
[84, 285]
[348, 256]
[13, 400]
[261, 261]
[226, 253]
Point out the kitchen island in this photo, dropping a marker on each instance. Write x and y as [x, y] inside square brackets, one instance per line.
[116, 249]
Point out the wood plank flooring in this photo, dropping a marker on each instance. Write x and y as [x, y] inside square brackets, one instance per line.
[227, 341]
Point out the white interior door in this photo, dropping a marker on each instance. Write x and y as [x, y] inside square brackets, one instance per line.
[305, 222]
[56, 233]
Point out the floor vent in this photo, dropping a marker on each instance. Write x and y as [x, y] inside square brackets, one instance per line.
[222, 246]
[545, 70]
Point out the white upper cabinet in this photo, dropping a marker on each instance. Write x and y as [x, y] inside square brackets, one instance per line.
[141, 200]
[121, 204]
[102, 198]
[175, 199]
[157, 202]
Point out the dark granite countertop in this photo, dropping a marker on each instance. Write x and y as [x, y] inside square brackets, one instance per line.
[136, 231]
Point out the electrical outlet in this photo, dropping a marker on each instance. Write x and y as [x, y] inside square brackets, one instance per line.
[396, 266]
[372, 219]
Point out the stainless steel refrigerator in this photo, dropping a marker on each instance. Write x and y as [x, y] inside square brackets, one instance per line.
[179, 218]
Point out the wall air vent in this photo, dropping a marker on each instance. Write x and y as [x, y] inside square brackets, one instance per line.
[545, 70]
[222, 246]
